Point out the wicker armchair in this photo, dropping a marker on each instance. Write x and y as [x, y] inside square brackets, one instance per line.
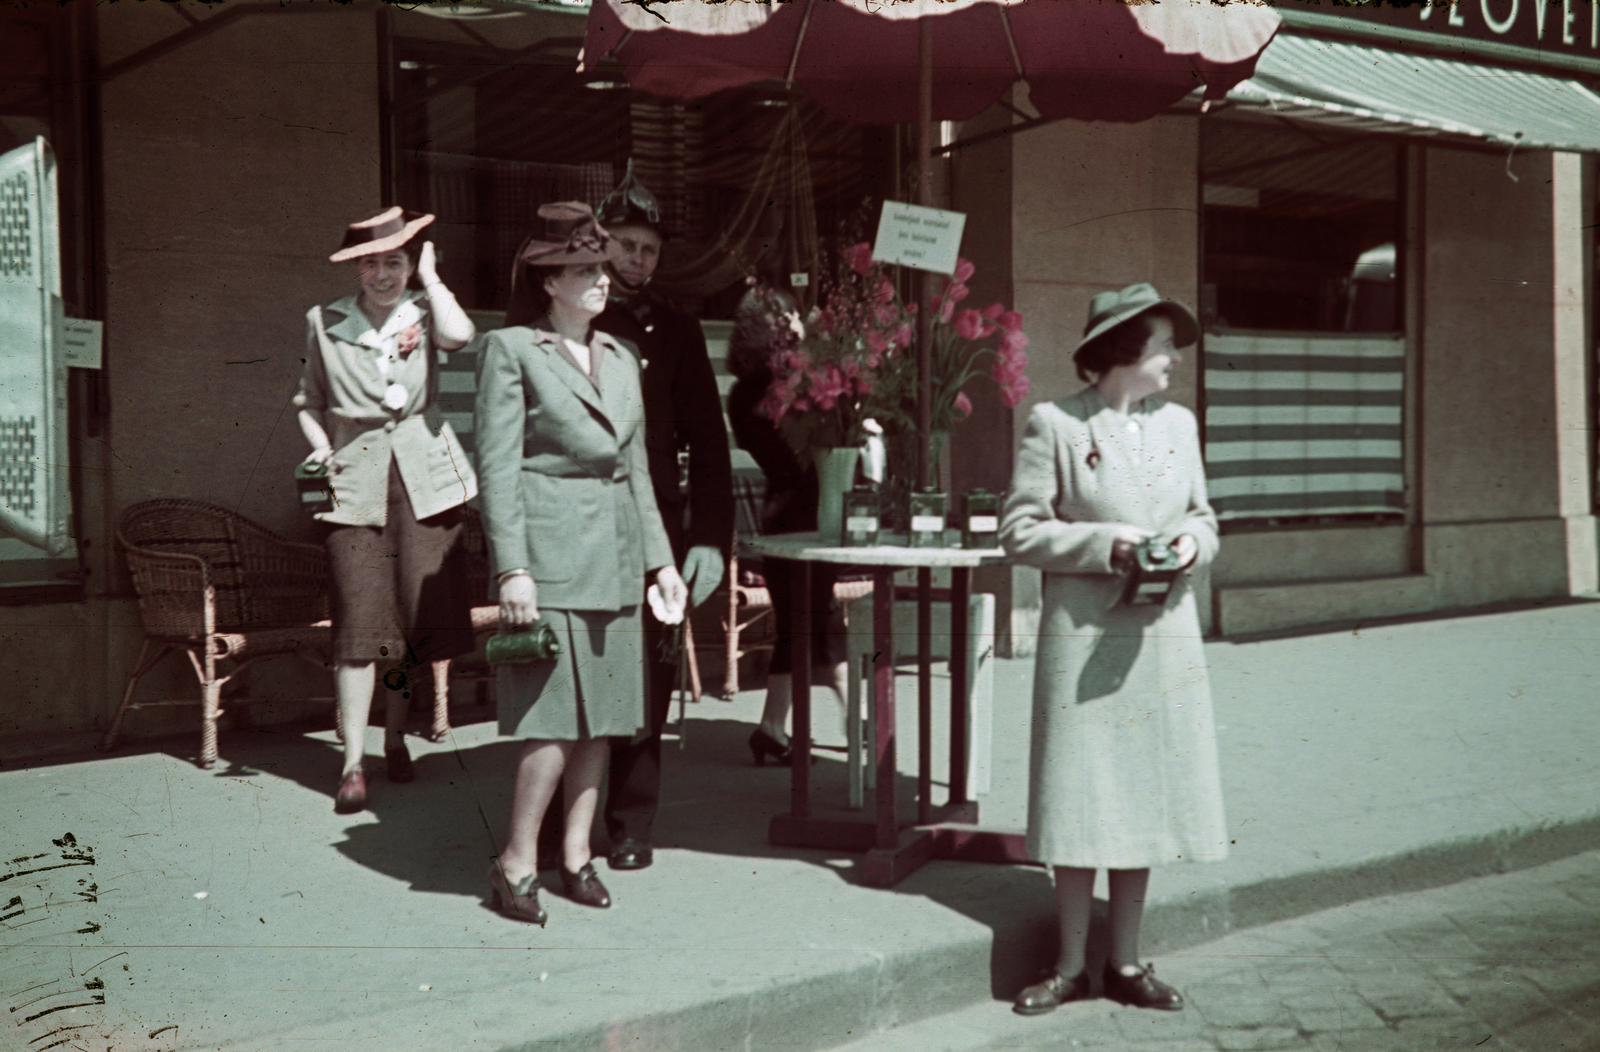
[224, 591]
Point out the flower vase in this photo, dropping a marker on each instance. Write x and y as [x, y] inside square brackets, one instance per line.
[836, 472]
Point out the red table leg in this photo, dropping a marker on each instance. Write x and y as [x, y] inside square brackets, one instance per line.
[960, 700]
[924, 695]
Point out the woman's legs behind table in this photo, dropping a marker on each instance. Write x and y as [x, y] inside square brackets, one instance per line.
[828, 650]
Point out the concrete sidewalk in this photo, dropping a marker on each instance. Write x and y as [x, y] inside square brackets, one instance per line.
[232, 909]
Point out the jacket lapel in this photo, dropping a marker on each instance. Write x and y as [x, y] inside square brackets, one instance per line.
[545, 344]
[342, 319]
[620, 406]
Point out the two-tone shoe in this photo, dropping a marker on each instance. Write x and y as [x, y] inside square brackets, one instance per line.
[1141, 989]
[1052, 993]
[584, 887]
[519, 901]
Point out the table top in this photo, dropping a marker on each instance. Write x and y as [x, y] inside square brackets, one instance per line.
[808, 547]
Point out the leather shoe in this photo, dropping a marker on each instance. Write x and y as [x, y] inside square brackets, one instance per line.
[1142, 989]
[631, 854]
[398, 763]
[1053, 992]
[584, 887]
[352, 796]
[519, 902]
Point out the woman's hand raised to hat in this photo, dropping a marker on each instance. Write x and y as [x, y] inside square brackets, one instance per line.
[427, 265]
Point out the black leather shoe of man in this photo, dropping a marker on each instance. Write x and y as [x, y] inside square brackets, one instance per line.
[1142, 989]
[630, 854]
[1052, 993]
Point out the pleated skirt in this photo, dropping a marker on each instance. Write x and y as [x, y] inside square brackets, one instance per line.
[595, 689]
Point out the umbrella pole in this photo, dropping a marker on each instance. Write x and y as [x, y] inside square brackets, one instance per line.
[926, 469]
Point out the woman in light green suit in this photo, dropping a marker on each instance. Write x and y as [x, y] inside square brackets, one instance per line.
[574, 534]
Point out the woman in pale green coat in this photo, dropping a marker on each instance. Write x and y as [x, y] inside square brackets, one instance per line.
[1124, 770]
[575, 536]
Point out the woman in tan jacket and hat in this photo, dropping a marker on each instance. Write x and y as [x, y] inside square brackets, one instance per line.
[1124, 760]
[575, 537]
[398, 481]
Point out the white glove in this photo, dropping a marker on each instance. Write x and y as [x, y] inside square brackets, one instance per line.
[702, 572]
[668, 597]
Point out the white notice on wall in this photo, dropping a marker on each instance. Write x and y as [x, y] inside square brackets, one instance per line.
[915, 236]
[80, 340]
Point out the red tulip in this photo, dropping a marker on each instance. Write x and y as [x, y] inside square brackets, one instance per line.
[1011, 321]
[964, 270]
[1014, 392]
[963, 404]
[969, 325]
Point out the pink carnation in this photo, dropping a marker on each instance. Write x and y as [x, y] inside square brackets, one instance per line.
[969, 325]
[883, 292]
[902, 335]
[963, 404]
[883, 314]
[861, 258]
[964, 270]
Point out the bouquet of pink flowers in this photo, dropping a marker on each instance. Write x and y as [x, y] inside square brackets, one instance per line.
[960, 349]
[826, 366]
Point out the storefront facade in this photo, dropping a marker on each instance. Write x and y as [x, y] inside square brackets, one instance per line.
[1396, 384]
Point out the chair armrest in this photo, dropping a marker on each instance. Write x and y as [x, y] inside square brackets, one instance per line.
[173, 589]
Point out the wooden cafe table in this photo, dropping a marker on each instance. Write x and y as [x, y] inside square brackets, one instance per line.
[894, 846]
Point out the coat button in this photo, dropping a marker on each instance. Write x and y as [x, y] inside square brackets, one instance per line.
[388, 425]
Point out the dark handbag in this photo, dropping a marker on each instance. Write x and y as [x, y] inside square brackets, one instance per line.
[536, 643]
[1153, 573]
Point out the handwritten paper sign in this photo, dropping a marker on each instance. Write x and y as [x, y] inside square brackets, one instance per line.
[915, 236]
[80, 340]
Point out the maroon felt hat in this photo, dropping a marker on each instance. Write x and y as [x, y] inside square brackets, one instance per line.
[565, 234]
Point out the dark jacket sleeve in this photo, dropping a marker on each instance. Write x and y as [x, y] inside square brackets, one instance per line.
[697, 417]
[791, 503]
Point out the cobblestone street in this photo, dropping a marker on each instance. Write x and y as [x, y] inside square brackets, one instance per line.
[1508, 962]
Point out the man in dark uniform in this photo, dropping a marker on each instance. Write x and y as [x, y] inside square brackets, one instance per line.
[683, 410]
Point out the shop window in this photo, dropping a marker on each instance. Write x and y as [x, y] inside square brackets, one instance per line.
[745, 179]
[1304, 358]
[40, 230]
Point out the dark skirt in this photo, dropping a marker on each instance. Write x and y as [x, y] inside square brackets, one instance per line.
[400, 591]
[832, 646]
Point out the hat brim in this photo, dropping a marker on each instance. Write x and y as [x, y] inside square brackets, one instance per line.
[545, 254]
[1185, 327]
[383, 244]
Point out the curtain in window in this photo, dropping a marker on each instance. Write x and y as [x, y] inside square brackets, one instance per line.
[1301, 426]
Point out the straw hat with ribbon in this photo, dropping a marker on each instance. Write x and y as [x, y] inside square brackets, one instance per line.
[384, 232]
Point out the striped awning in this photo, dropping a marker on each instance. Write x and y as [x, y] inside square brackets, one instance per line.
[1374, 89]
[1301, 426]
